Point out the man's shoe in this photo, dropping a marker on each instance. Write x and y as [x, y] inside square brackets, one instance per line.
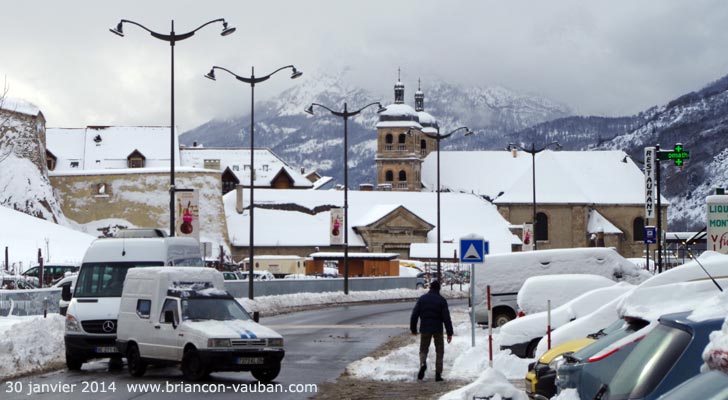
[421, 374]
[438, 378]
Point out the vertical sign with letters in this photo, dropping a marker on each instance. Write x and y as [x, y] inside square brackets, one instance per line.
[649, 182]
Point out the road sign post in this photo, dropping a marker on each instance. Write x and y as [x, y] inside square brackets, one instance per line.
[473, 249]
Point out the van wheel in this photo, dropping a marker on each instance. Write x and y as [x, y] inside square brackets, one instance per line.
[500, 318]
[73, 363]
[266, 375]
[192, 367]
[420, 286]
[137, 366]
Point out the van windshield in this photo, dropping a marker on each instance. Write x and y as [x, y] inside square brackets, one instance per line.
[212, 308]
[105, 279]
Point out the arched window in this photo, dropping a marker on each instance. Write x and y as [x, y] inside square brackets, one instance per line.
[542, 227]
[638, 229]
[402, 176]
[389, 176]
[402, 138]
[388, 139]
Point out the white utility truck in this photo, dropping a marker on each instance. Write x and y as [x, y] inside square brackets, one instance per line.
[184, 316]
[93, 309]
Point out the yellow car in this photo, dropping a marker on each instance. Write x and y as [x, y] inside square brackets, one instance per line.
[541, 374]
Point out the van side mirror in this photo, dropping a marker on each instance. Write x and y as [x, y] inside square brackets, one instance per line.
[256, 316]
[169, 318]
[66, 293]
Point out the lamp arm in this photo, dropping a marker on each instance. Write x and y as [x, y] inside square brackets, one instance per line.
[204, 25]
[362, 109]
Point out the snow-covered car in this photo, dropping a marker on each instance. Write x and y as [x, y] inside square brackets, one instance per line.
[521, 336]
[559, 289]
[257, 275]
[185, 316]
[232, 275]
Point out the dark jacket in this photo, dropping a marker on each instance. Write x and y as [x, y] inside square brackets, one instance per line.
[433, 312]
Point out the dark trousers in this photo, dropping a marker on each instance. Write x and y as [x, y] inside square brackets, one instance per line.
[425, 339]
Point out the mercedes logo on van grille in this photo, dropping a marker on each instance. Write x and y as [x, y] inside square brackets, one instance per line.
[108, 326]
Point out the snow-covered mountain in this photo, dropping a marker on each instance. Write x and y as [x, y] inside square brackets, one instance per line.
[316, 142]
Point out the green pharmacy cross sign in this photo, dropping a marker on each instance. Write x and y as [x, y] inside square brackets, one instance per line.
[678, 155]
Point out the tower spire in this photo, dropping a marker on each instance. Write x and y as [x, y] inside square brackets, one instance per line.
[399, 89]
[419, 97]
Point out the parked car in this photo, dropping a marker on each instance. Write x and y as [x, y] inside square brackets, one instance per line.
[521, 336]
[668, 356]
[541, 374]
[585, 369]
[51, 272]
[68, 281]
[11, 282]
[258, 275]
[423, 280]
[232, 275]
[537, 289]
[712, 385]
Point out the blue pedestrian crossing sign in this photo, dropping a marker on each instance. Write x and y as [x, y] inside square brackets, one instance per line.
[473, 249]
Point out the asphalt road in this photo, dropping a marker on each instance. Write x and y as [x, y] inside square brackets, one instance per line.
[319, 345]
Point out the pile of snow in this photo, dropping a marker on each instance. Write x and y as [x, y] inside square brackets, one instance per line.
[491, 384]
[461, 361]
[28, 234]
[30, 344]
[536, 290]
[270, 305]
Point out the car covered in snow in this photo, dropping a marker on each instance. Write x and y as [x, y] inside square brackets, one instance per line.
[521, 336]
[536, 290]
[506, 273]
[184, 316]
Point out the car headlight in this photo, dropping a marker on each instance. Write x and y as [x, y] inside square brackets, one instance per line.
[72, 324]
[277, 342]
[556, 362]
[218, 343]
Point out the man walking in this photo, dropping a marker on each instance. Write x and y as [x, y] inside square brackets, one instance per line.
[431, 309]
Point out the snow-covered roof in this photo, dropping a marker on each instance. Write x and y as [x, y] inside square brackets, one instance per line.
[364, 256]
[267, 164]
[107, 147]
[576, 177]
[19, 106]
[461, 214]
[399, 116]
[598, 223]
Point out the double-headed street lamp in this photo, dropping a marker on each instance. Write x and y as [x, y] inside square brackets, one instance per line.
[437, 138]
[172, 38]
[345, 114]
[252, 80]
[533, 151]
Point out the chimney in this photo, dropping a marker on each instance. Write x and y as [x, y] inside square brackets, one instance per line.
[303, 171]
[194, 144]
[239, 198]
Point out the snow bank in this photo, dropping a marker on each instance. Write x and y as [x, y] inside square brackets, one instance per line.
[461, 361]
[270, 305]
[30, 344]
[490, 383]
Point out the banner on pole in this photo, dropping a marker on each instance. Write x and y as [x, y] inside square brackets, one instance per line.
[187, 221]
[336, 228]
[650, 182]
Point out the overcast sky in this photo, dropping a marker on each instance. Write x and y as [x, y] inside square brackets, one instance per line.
[599, 57]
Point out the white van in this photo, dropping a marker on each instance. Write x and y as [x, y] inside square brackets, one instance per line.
[506, 273]
[93, 310]
[185, 316]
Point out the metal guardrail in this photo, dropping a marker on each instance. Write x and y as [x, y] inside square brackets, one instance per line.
[29, 302]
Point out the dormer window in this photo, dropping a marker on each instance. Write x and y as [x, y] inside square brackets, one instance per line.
[50, 160]
[135, 160]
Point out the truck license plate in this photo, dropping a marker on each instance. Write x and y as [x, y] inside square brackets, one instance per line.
[106, 349]
[249, 360]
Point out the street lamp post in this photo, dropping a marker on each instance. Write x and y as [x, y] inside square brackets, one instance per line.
[533, 151]
[252, 80]
[172, 38]
[438, 137]
[345, 114]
